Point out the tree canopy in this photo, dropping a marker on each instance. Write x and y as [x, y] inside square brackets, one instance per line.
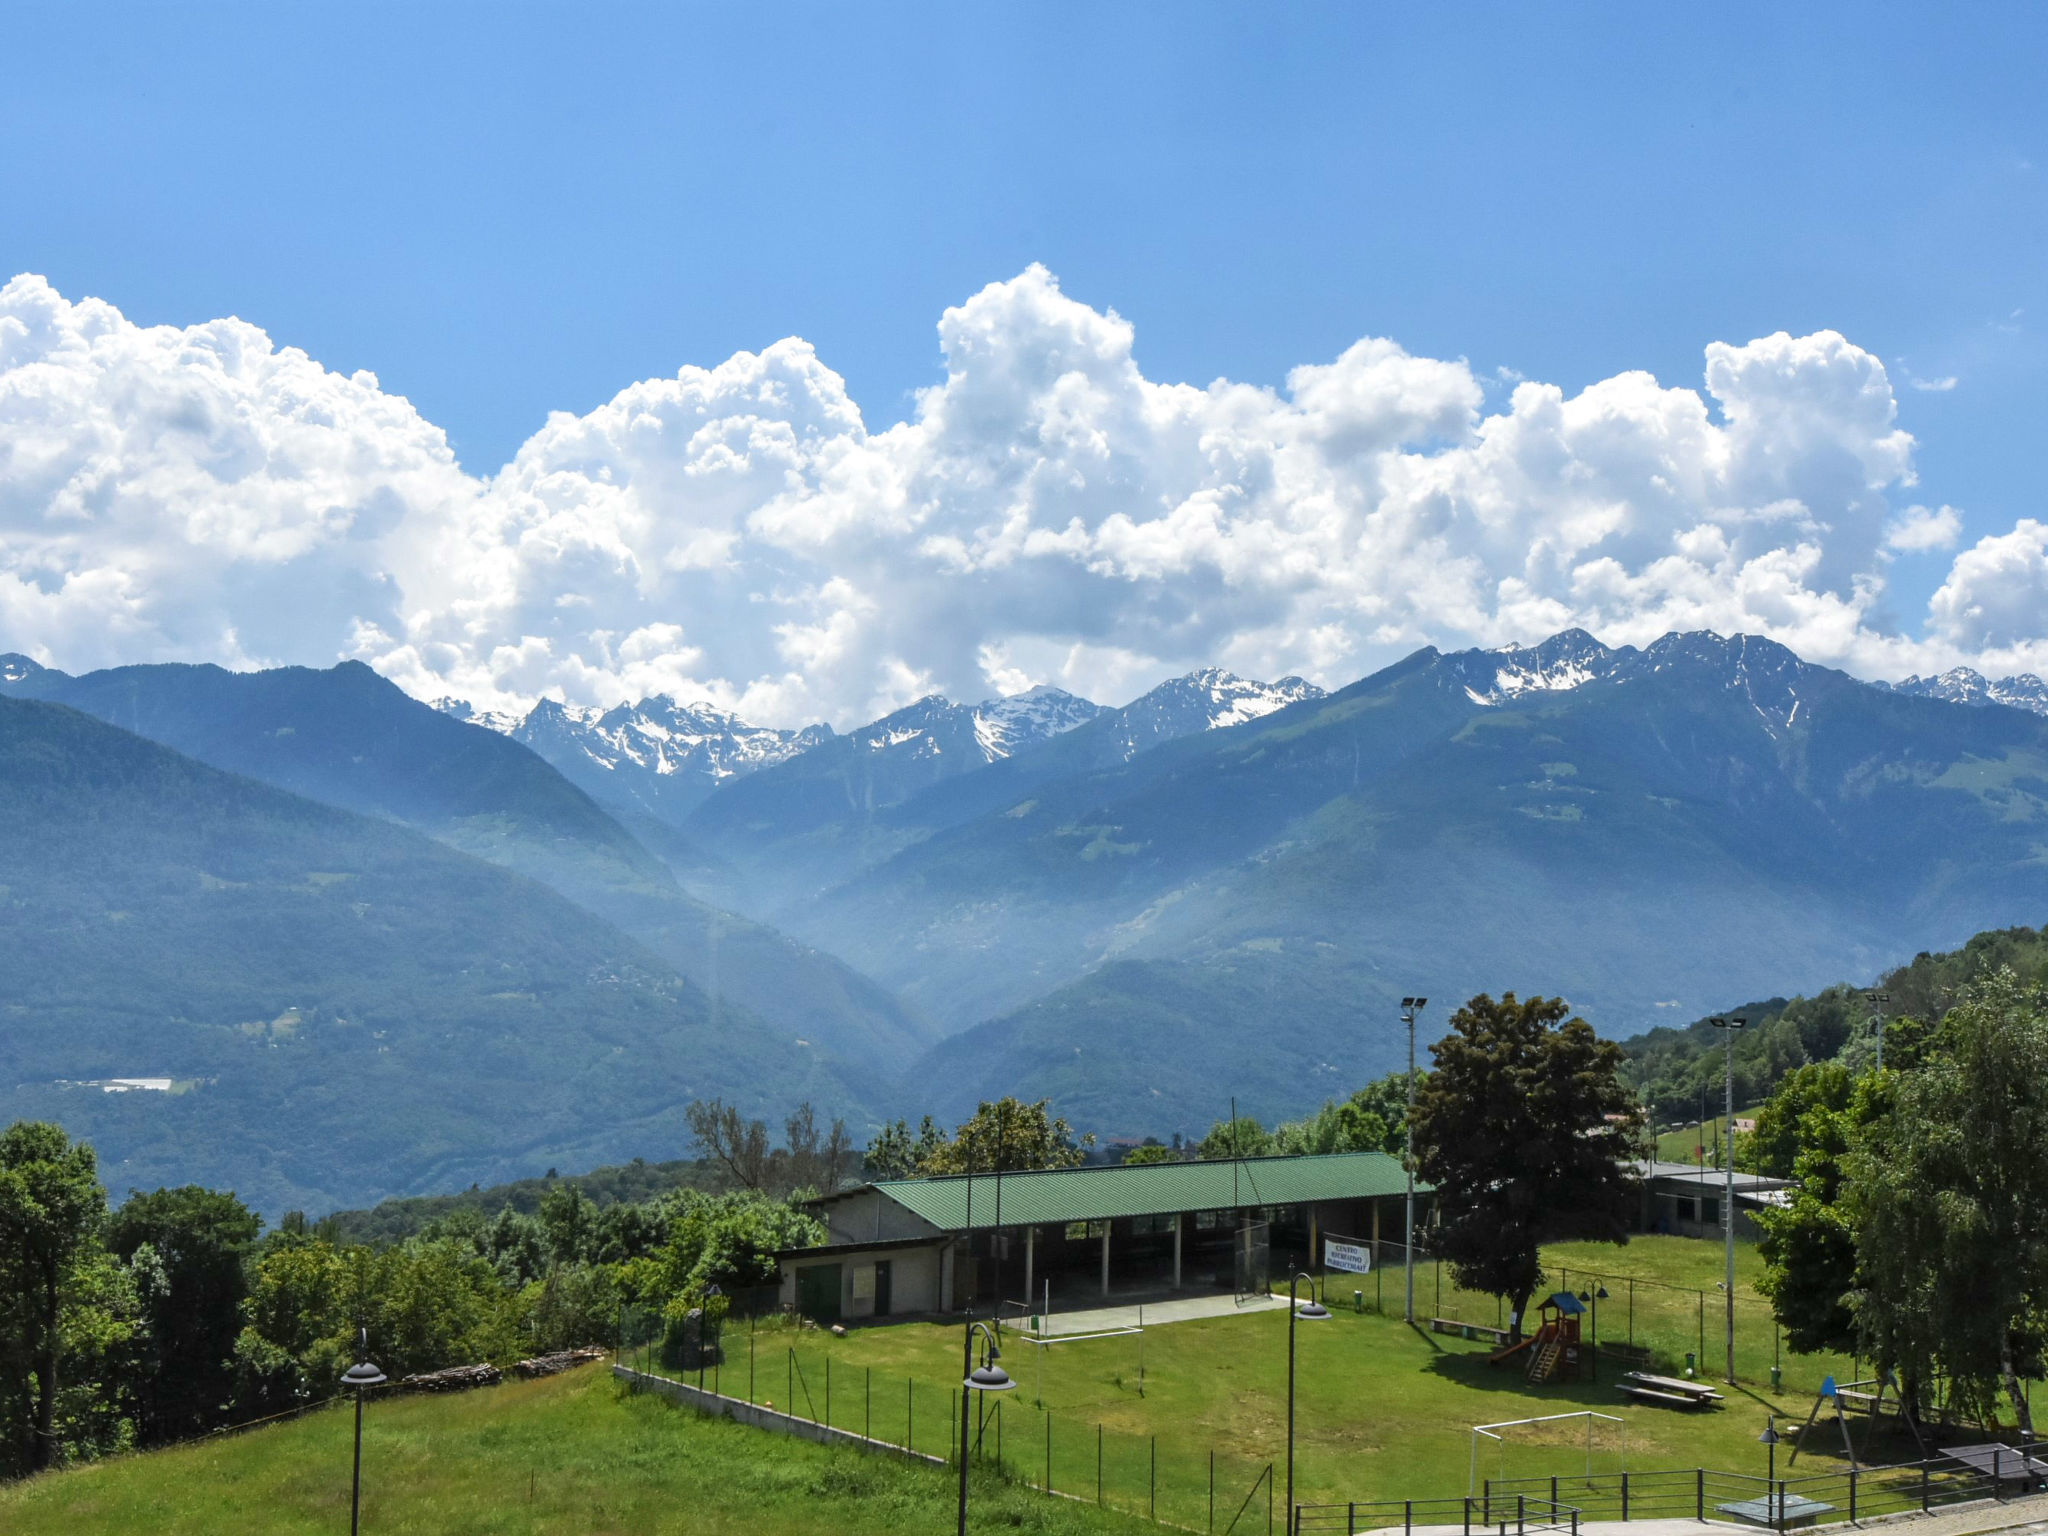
[1525, 1129]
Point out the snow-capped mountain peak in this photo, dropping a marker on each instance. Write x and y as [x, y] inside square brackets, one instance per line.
[1001, 726]
[1567, 660]
[1208, 700]
[1965, 685]
[656, 753]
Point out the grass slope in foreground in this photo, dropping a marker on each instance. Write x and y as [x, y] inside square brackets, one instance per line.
[570, 1456]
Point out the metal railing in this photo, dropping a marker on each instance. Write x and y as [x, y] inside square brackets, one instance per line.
[1520, 1513]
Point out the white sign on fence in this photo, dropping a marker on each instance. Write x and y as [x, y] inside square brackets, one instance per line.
[1352, 1258]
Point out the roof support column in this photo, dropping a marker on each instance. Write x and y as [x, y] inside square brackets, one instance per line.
[1105, 1256]
[1030, 1258]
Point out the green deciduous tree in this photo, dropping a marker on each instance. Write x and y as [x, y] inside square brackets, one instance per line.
[1809, 1246]
[1949, 1197]
[189, 1249]
[1009, 1136]
[51, 1208]
[1242, 1137]
[1526, 1129]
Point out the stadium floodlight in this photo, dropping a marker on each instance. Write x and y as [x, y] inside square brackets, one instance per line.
[362, 1376]
[1730, 1028]
[1409, 1007]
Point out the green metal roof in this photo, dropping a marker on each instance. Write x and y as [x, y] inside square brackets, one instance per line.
[1148, 1189]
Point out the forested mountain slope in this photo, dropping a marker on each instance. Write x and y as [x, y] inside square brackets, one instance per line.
[347, 737]
[346, 1007]
[1640, 831]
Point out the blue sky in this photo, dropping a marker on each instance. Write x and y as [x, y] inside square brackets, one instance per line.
[507, 210]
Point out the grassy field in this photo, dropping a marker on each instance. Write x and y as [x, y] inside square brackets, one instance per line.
[1686, 1144]
[1384, 1411]
[569, 1456]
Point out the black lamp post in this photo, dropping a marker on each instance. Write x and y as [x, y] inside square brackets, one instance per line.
[1312, 1311]
[362, 1376]
[1595, 1297]
[985, 1377]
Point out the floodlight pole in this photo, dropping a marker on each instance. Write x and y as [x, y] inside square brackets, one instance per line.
[1729, 1028]
[1408, 1007]
[1877, 1000]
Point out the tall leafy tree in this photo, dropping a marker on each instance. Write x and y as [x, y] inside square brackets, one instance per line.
[1526, 1130]
[51, 1208]
[1242, 1137]
[189, 1250]
[1809, 1247]
[1009, 1136]
[1949, 1197]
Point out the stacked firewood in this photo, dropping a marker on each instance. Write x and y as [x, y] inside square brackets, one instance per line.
[549, 1365]
[456, 1378]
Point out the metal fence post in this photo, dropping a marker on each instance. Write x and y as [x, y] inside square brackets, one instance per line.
[1624, 1494]
[1924, 1504]
[1468, 1513]
[828, 1389]
[867, 1406]
[1997, 1468]
[1048, 1453]
[789, 1381]
[1098, 1463]
[1212, 1474]
[1152, 1499]
[1407, 1516]
[910, 1413]
[1852, 1495]
[1521, 1515]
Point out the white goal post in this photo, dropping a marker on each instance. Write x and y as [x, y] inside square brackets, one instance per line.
[1495, 1433]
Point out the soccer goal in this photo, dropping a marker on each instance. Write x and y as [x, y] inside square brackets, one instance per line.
[1580, 1450]
[1074, 1369]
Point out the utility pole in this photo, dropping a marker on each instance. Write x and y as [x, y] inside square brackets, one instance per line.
[1877, 1000]
[1408, 1007]
[1729, 1027]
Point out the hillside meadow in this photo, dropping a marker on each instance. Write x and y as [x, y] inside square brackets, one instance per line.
[567, 1456]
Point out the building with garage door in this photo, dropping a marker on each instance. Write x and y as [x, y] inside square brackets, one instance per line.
[1072, 1237]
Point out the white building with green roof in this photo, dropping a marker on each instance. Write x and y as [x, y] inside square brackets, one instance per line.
[915, 1247]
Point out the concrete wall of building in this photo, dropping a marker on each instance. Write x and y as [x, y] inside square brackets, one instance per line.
[913, 1279]
[869, 1217]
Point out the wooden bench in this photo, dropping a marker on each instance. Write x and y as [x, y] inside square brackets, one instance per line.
[1468, 1330]
[1663, 1399]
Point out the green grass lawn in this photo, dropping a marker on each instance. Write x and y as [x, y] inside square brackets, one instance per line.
[1384, 1411]
[569, 1456]
[1684, 1145]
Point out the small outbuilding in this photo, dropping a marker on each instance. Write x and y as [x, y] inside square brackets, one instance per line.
[1685, 1199]
[1075, 1236]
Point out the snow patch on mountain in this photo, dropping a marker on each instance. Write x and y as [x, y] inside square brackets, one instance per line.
[1567, 660]
[1209, 700]
[1963, 685]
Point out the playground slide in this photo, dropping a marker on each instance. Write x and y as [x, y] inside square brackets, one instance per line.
[1541, 1335]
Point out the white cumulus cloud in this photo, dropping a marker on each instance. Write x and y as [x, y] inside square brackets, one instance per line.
[1046, 514]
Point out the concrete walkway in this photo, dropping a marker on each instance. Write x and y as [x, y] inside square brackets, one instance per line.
[2015, 1517]
[1177, 1309]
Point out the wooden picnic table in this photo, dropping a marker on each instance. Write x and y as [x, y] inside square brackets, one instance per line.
[1677, 1384]
[1670, 1391]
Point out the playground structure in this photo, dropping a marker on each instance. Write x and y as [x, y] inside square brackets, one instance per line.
[1553, 1349]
